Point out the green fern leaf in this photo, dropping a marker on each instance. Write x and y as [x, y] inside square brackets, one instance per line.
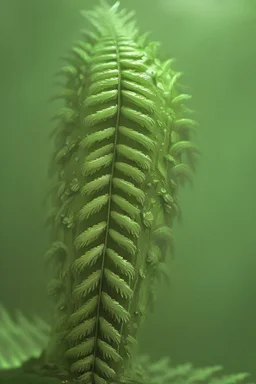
[102, 67]
[97, 137]
[154, 254]
[88, 259]
[109, 332]
[96, 185]
[142, 78]
[131, 344]
[173, 81]
[83, 349]
[66, 114]
[186, 122]
[93, 207]
[103, 85]
[124, 266]
[129, 170]
[162, 233]
[123, 241]
[84, 311]
[182, 171]
[109, 73]
[66, 94]
[101, 98]
[144, 140]
[114, 308]
[81, 54]
[90, 167]
[127, 223]
[180, 98]
[88, 285]
[134, 155]
[104, 368]
[137, 65]
[126, 206]
[139, 100]
[82, 330]
[107, 351]
[99, 152]
[82, 364]
[129, 189]
[139, 118]
[137, 88]
[68, 71]
[104, 57]
[90, 235]
[58, 249]
[118, 284]
[100, 116]
[55, 286]
[182, 146]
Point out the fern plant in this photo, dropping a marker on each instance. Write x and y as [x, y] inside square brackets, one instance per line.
[122, 150]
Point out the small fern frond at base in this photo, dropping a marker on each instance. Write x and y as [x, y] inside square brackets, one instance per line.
[24, 339]
[162, 372]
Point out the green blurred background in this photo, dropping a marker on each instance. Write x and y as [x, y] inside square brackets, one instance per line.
[208, 315]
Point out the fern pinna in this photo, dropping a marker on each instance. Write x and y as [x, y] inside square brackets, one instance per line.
[122, 150]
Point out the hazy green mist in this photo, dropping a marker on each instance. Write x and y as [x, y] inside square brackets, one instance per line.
[208, 315]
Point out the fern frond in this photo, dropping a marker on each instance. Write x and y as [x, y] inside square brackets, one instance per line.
[138, 117]
[100, 116]
[88, 259]
[88, 285]
[101, 86]
[93, 207]
[96, 185]
[129, 170]
[134, 155]
[82, 365]
[144, 140]
[163, 233]
[104, 369]
[109, 332]
[82, 330]
[180, 98]
[90, 235]
[90, 167]
[99, 152]
[181, 146]
[182, 171]
[101, 98]
[129, 188]
[84, 311]
[82, 349]
[68, 115]
[114, 308]
[122, 150]
[123, 241]
[58, 249]
[127, 223]
[126, 206]
[107, 351]
[97, 137]
[118, 284]
[68, 71]
[124, 266]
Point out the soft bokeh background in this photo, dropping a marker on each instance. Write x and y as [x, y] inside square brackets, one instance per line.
[208, 315]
